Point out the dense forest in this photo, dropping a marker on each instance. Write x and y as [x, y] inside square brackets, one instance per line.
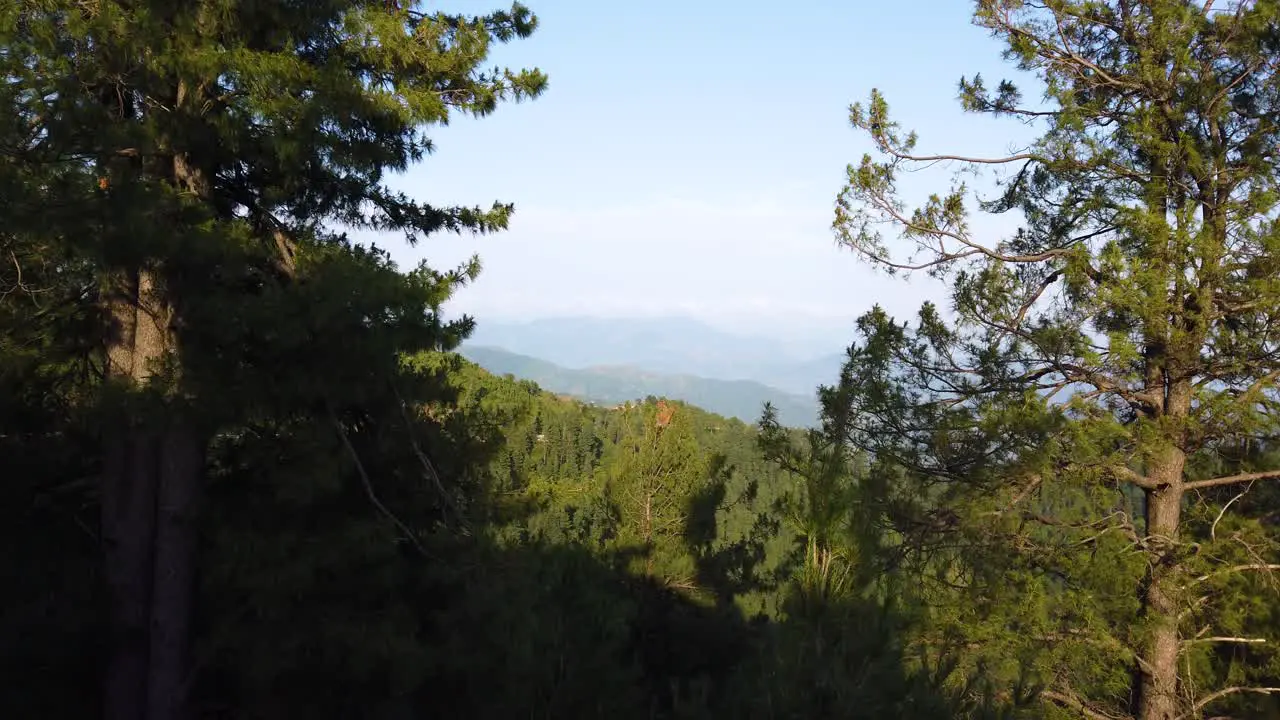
[245, 473]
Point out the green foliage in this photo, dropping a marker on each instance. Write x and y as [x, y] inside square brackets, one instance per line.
[177, 177]
[659, 470]
[1057, 501]
[1049, 453]
[573, 473]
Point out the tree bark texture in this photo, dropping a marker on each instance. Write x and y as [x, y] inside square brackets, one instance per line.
[152, 477]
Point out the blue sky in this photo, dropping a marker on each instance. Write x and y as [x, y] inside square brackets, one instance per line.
[686, 156]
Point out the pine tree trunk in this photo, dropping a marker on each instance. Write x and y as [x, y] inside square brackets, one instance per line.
[128, 529]
[178, 489]
[151, 478]
[181, 464]
[1158, 696]
[647, 532]
[1158, 690]
[128, 507]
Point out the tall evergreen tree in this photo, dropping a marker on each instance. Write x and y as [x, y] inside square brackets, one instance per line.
[217, 147]
[660, 468]
[1075, 432]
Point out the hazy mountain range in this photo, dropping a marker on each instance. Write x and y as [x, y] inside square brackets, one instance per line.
[618, 359]
[743, 399]
[671, 345]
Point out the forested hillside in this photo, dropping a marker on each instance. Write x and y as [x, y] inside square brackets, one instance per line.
[244, 472]
[690, 484]
[741, 399]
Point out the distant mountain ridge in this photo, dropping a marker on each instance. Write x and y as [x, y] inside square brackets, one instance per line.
[670, 345]
[743, 399]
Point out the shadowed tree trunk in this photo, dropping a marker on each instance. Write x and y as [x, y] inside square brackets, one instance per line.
[151, 485]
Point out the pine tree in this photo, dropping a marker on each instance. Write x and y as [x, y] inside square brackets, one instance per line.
[1075, 431]
[219, 147]
[660, 467]
[47, 452]
[821, 510]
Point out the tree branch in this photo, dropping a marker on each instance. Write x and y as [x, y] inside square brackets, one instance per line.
[1232, 480]
[1259, 385]
[368, 485]
[1241, 640]
[1201, 703]
[1213, 529]
[1031, 300]
[973, 247]
[961, 158]
[428, 467]
[1071, 701]
[1234, 568]
[1123, 473]
[1035, 482]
